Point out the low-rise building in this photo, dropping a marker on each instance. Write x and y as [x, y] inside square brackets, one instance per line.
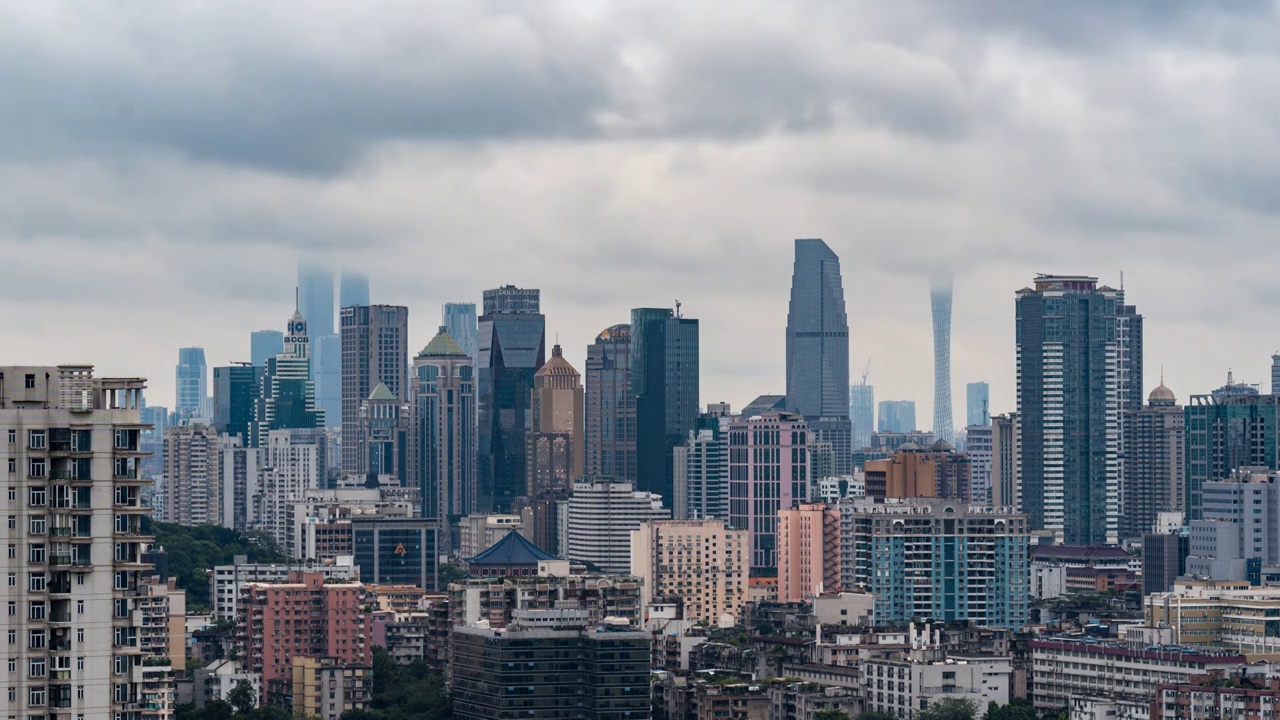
[1230, 614]
[1052, 568]
[216, 681]
[846, 608]
[1216, 696]
[805, 700]
[496, 600]
[903, 686]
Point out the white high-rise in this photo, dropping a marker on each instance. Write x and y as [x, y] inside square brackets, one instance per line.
[597, 519]
[75, 546]
[292, 463]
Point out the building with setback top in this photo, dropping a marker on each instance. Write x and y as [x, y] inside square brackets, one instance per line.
[610, 418]
[443, 432]
[375, 351]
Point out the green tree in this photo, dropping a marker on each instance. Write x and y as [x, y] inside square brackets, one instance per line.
[1018, 709]
[193, 550]
[831, 715]
[873, 715]
[241, 698]
[949, 709]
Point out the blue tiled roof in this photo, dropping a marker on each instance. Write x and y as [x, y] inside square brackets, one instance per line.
[512, 549]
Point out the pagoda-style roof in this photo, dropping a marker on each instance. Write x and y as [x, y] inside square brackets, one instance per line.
[512, 549]
[381, 393]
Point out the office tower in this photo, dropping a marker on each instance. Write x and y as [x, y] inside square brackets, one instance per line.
[897, 416]
[326, 374]
[73, 449]
[702, 564]
[235, 400]
[461, 324]
[444, 421]
[353, 289]
[978, 446]
[264, 344]
[304, 617]
[818, 349]
[664, 379]
[1275, 374]
[808, 552]
[978, 400]
[288, 396]
[292, 462]
[914, 471]
[1154, 471]
[1128, 355]
[702, 469]
[396, 551]
[382, 440]
[938, 559]
[315, 297]
[554, 455]
[512, 348]
[490, 669]
[193, 475]
[192, 382]
[374, 350]
[1239, 527]
[940, 302]
[1164, 560]
[768, 471]
[1006, 462]
[598, 519]
[862, 413]
[1068, 401]
[611, 406]
[763, 404]
[1232, 429]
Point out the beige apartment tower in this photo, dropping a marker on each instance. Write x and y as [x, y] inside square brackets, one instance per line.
[699, 563]
[192, 475]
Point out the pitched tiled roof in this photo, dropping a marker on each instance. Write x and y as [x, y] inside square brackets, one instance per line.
[512, 549]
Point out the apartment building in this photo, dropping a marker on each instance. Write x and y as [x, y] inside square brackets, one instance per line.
[497, 600]
[326, 687]
[226, 581]
[903, 686]
[808, 552]
[699, 563]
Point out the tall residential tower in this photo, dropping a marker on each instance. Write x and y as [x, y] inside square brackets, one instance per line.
[374, 350]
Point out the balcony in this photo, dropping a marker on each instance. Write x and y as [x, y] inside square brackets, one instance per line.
[62, 618]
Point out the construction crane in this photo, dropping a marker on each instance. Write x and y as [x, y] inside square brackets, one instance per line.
[866, 372]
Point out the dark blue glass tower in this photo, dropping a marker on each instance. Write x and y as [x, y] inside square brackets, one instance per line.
[664, 379]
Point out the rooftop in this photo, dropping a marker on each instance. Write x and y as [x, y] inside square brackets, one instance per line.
[1082, 552]
[512, 549]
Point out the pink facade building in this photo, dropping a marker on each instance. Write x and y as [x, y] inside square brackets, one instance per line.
[768, 471]
[304, 617]
[808, 552]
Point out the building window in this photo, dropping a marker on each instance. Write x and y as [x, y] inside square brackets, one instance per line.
[36, 525]
[36, 583]
[79, 663]
[79, 635]
[36, 496]
[35, 640]
[37, 668]
[13, 665]
[36, 611]
[29, 382]
[36, 439]
[13, 437]
[13, 552]
[35, 698]
[79, 607]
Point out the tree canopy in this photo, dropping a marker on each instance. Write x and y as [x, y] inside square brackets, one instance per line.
[192, 550]
[949, 709]
[404, 692]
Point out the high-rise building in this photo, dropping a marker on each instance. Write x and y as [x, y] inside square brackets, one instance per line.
[554, 456]
[1164, 560]
[315, 297]
[977, 405]
[396, 551]
[768, 471]
[156, 418]
[239, 465]
[1068, 401]
[461, 324]
[1154, 470]
[1128, 355]
[1232, 429]
[940, 302]
[914, 471]
[235, 400]
[444, 419]
[598, 519]
[353, 289]
[374, 350]
[75, 563]
[287, 398]
[1240, 525]
[1006, 462]
[265, 344]
[702, 564]
[1275, 374]
[512, 348]
[326, 373]
[808, 552]
[939, 559]
[818, 349]
[978, 446]
[664, 378]
[292, 462]
[897, 416]
[862, 413]
[192, 375]
[382, 438]
[193, 475]
[702, 469]
[610, 406]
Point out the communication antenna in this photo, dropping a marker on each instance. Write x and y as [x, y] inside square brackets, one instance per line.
[678, 315]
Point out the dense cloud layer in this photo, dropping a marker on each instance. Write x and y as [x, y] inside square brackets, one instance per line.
[162, 170]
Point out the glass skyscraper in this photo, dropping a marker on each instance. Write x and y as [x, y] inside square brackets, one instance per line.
[940, 302]
[862, 413]
[512, 346]
[353, 289]
[316, 302]
[315, 298]
[1069, 403]
[374, 350]
[818, 349]
[235, 395]
[263, 345]
[461, 325]
[977, 405]
[664, 379]
[1227, 430]
[898, 416]
[192, 375]
[611, 406]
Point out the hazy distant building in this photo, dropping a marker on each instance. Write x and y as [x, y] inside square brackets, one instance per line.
[940, 302]
[664, 379]
[818, 348]
[862, 413]
[265, 344]
[1275, 374]
[1154, 476]
[461, 324]
[610, 406]
[316, 303]
[768, 471]
[977, 405]
[192, 377]
[897, 416]
[444, 417]
[1069, 403]
[374, 350]
[315, 297]
[353, 289]
[235, 397]
[512, 346]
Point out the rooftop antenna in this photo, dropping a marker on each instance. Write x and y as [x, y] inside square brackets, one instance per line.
[678, 315]
[295, 298]
[1121, 281]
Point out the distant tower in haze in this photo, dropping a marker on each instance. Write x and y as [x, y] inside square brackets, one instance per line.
[192, 376]
[978, 400]
[1275, 374]
[316, 303]
[818, 348]
[940, 299]
[461, 325]
[862, 410]
[353, 289]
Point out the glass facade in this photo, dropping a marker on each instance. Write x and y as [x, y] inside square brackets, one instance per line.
[611, 406]
[397, 552]
[235, 395]
[512, 346]
[940, 302]
[664, 378]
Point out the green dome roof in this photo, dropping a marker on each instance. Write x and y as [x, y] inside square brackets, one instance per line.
[442, 345]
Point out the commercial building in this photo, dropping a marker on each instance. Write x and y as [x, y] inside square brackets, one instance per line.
[940, 304]
[1154, 476]
[914, 471]
[443, 435]
[192, 382]
[520, 669]
[514, 556]
[327, 687]
[610, 413]
[862, 413]
[382, 446]
[75, 562]
[375, 351]
[235, 400]
[398, 551]
[287, 399]
[598, 519]
[304, 617]
[512, 348]
[494, 601]
[1212, 614]
[768, 471]
[353, 288]
[460, 323]
[315, 296]
[665, 380]
[1069, 403]
[264, 344]
[701, 480]
[1230, 430]
[554, 454]
[897, 416]
[699, 564]
[808, 552]
[818, 349]
[1239, 526]
[1164, 560]
[977, 404]
[227, 581]
[937, 559]
[478, 532]
[316, 302]
[193, 475]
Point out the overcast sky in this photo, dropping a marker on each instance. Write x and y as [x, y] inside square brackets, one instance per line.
[164, 165]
